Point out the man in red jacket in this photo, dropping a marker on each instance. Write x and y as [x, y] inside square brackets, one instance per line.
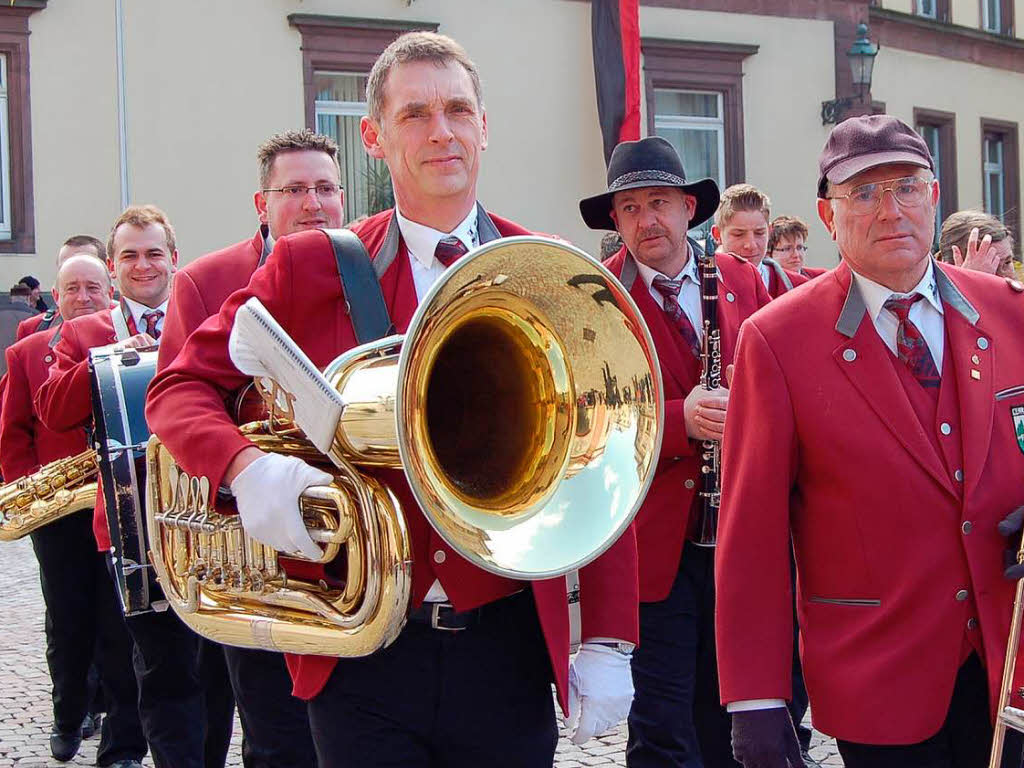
[889, 455]
[299, 191]
[187, 718]
[741, 228]
[467, 683]
[675, 719]
[73, 246]
[83, 618]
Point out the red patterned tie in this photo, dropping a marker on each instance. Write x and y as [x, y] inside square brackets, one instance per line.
[669, 290]
[911, 345]
[448, 250]
[152, 317]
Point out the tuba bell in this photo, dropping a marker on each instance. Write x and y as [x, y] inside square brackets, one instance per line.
[524, 405]
[59, 489]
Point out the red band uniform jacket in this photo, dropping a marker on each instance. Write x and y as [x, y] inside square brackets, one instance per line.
[26, 444]
[893, 519]
[781, 280]
[64, 401]
[300, 286]
[661, 525]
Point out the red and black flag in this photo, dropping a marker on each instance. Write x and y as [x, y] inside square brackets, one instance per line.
[615, 29]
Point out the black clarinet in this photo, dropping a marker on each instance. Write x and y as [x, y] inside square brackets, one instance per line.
[711, 378]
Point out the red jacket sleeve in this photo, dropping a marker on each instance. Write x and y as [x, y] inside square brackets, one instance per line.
[18, 455]
[754, 611]
[185, 401]
[186, 311]
[64, 401]
[609, 593]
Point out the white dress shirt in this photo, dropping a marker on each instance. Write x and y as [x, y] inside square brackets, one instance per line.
[926, 315]
[689, 295]
[138, 310]
[421, 242]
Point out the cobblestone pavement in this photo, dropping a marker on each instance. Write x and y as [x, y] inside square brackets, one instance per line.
[25, 714]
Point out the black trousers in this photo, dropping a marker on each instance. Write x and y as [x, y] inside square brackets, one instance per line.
[799, 704]
[84, 625]
[963, 741]
[676, 720]
[275, 724]
[442, 699]
[186, 717]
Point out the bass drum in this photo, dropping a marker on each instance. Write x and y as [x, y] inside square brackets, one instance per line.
[119, 382]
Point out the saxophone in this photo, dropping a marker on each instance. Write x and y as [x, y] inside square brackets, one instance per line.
[710, 492]
[59, 489]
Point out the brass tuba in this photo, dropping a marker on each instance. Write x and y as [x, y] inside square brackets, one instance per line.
[525, 406]
[59, 489]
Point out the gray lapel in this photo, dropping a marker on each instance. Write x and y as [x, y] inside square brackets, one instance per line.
[952, 298]
[121, 330]
[779, 272]
[853, 311]
[266, 245]
[389, 249]
[485, 229]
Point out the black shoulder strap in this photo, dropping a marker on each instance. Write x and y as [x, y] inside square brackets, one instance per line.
[366, 307]
[47, 320]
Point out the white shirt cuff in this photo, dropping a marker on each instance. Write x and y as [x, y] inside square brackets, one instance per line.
[748, 704]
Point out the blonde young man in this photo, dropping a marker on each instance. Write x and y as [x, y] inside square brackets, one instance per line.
[741, 227]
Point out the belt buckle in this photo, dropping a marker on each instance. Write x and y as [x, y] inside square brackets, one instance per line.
[435, 615]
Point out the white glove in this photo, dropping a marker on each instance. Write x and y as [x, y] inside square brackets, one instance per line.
[600, 691]
[267, 495]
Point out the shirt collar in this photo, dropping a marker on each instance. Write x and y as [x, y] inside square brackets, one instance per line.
[875, 295]
[138, 310]
[422, 240]
[690, 270]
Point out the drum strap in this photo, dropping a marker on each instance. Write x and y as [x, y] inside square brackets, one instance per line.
[360, 289]
[121, 330]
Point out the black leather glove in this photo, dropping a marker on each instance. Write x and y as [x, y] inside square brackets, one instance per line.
[1010, 527]
[765, 738]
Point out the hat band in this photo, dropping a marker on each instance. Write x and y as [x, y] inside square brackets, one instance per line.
[632, 176]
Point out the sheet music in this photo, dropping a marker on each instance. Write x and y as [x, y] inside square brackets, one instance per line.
[259, 346]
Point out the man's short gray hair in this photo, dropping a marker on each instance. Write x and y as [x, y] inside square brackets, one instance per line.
[417, 46]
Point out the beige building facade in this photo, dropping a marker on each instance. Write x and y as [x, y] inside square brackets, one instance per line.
[162, 102]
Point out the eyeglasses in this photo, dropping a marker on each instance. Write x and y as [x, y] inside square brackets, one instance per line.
[908, 191]
[790, 249]
[295, 191]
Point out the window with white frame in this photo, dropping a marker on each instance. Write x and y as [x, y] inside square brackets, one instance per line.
[991, 16]
[340, 103]
[932, 135]
[925, 8]
[5, 157]
[693, 122]
[995, 176]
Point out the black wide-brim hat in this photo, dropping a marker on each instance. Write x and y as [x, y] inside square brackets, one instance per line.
[650, 162]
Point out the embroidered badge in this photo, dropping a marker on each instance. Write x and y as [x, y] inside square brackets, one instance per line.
[1017, 412]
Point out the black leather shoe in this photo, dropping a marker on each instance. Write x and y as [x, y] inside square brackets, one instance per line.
[64, 746]
[92, 724]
